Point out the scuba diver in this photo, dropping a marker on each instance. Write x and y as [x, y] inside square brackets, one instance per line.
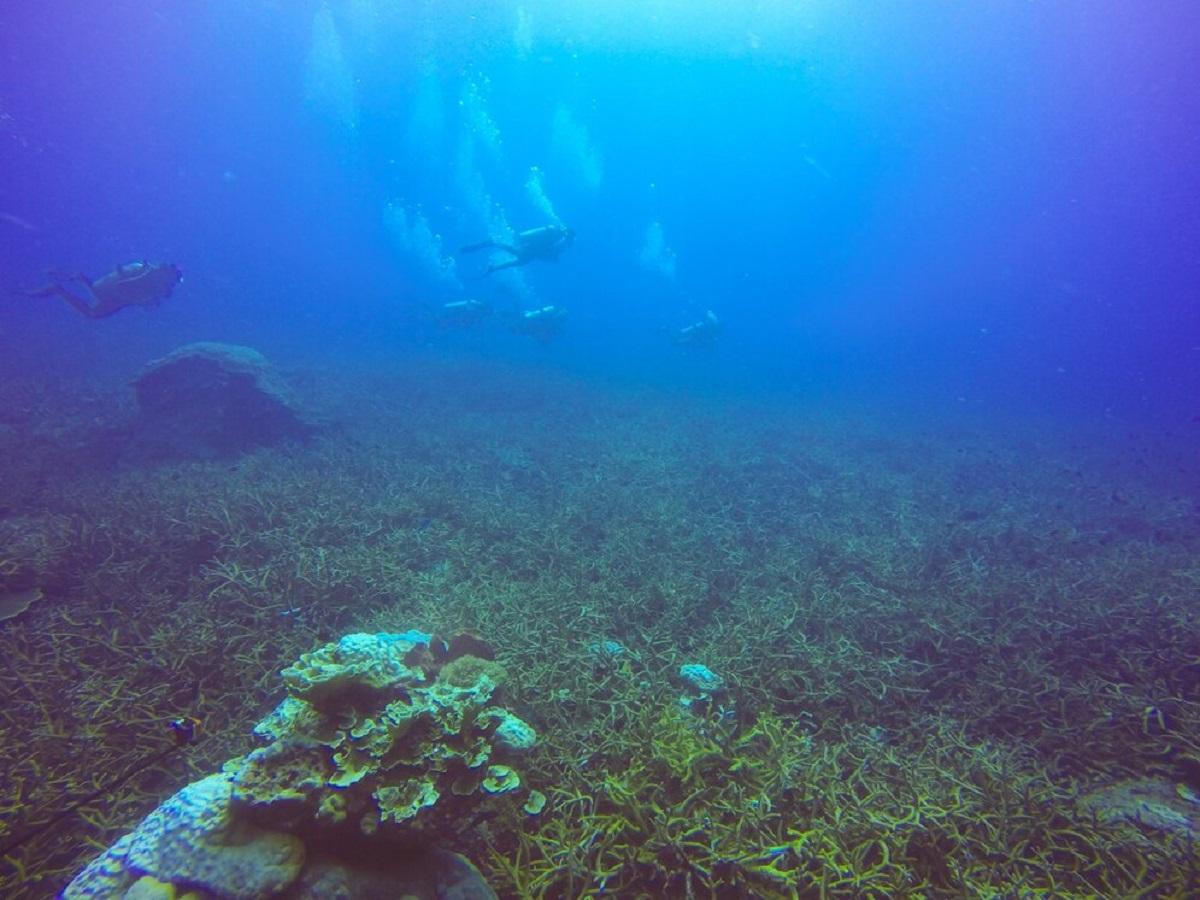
[458, 314]
[132, 284]
[547, 242]
[699, 334]
[542, 323]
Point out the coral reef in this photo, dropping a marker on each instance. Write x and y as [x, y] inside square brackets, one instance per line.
[195, 839]
[704, 687]
[372, 745]
[386, 733]
[934, 643]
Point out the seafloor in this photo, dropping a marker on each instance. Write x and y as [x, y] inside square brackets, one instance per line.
[962, 660]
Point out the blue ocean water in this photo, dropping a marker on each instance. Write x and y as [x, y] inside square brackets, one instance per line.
[983, 205]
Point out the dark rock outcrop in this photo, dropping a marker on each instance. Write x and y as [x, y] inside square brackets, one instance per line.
[212, 399]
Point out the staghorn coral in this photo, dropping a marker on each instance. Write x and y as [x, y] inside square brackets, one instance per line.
[953, 626]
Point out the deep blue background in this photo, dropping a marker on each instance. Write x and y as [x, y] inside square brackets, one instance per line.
[983, 206]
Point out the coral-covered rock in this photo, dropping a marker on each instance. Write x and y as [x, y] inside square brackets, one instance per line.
[371, 736]
[500, 780]
[1153, 803]
[105, 877]
[377, 749]
[703, 680]
[356, 663]
[511, 733]
[194, 839]
[426, 872]
[210, 399]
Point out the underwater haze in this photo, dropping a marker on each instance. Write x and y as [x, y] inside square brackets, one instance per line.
[982, 204]
[847, 351]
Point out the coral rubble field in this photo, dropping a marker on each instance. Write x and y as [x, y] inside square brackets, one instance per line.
[945, 660]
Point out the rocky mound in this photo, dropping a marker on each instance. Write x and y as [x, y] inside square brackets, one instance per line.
[211, 399]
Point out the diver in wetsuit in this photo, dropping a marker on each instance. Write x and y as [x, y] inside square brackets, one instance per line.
[703, 333]
[542, 323]
[457, 314]
[547, 242]
[132, 284]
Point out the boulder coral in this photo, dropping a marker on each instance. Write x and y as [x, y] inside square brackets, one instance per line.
[212, 399]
